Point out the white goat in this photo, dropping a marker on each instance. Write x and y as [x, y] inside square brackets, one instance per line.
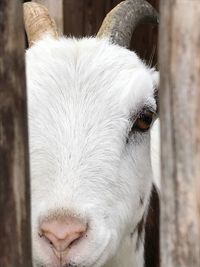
[91, 104]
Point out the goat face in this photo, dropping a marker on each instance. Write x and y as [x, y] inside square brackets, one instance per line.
[90, 156]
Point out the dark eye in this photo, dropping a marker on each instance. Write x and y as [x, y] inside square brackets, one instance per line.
[143, 121]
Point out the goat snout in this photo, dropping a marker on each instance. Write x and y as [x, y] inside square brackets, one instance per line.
[61, 234]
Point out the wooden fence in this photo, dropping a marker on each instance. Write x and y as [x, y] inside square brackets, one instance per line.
[179, 53]
[15, 248]
[179, 64]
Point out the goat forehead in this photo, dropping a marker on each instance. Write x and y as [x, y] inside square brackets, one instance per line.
[76, 91]
[77, 133]
[83, 69]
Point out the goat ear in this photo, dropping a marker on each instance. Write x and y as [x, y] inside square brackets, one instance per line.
[156, 78]
[156, 83]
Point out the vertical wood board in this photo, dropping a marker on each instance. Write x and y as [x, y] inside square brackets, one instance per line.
[179, 53]
[15, 243]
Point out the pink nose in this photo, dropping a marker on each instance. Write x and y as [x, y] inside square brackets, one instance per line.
[62, 233]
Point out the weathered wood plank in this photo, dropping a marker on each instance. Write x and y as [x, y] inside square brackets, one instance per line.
[180, 132]
[15, 244]
[56, 10]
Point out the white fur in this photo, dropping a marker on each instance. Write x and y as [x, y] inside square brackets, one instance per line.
[81, 96]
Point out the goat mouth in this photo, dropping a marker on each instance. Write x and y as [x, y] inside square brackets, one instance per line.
[94, 263]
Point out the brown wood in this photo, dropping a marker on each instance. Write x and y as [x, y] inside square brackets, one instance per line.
[56, 10]
[180, 132]
[15, 245]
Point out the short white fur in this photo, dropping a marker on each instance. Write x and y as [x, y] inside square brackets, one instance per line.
[82, 95]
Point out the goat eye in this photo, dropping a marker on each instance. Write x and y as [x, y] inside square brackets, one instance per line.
[143, 121]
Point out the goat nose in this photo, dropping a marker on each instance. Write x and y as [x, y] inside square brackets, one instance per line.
[62, 233]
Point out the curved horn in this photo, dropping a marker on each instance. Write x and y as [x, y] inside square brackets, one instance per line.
[38, 22]
[121, 22]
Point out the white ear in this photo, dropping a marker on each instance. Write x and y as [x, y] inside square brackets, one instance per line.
[155, 136]
[155, 153]
[156, 78]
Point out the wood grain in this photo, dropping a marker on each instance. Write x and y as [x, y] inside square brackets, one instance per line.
[179, 52]
[15, 244]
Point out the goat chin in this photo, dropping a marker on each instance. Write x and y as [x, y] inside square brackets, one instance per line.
[90, 164]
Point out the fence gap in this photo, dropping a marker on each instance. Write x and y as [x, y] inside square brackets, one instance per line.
[179, 53]
[15, 242]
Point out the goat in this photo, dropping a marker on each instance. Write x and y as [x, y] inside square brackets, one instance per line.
[91, 106]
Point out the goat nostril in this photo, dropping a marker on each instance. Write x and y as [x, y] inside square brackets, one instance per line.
[48, 241]
[75, 241]
[40, 235]
[63, 234]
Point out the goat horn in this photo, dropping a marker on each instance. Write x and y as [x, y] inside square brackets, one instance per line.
[38, 22]
[121, 22]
